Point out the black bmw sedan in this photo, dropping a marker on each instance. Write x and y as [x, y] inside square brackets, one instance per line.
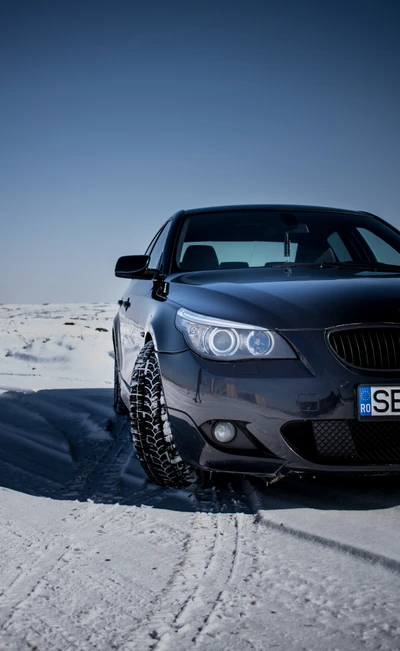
[262, 340]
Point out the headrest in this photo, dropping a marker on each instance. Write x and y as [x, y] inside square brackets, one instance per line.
[199, 257]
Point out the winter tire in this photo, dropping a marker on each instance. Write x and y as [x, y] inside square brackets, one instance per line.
[151, 430]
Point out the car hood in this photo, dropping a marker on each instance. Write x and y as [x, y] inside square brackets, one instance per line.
[300, 298]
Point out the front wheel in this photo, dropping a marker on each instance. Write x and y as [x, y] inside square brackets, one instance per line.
[151, 429]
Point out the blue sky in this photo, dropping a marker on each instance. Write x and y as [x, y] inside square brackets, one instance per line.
[114, 115]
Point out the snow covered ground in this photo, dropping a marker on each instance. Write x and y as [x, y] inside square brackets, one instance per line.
[94, 557]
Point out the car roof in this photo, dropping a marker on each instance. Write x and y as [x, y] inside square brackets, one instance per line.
[268, 206]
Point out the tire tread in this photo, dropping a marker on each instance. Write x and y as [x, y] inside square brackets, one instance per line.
[150, 427]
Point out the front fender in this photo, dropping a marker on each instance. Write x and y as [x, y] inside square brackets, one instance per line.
[160, 326]
[116, 340]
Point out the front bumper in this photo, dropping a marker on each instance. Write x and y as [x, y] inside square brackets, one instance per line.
[277, 406]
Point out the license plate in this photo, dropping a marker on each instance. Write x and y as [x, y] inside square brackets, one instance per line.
[378, 401]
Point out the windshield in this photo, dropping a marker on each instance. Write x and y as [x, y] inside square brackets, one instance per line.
[260, 238]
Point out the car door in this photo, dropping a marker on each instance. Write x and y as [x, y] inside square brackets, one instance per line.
[133, 310]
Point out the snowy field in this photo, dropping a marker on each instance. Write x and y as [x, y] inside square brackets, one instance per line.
[94, 557]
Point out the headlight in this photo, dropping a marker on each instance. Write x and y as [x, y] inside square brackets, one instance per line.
[216, 338]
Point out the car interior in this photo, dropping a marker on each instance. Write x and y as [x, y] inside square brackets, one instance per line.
[201, 257]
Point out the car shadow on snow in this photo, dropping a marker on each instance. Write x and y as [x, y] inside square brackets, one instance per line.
[68, 444]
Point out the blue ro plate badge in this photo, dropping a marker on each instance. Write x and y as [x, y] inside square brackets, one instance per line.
[378, 401]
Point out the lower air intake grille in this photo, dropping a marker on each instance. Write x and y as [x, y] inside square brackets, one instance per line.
[345, 442]
[368, 348]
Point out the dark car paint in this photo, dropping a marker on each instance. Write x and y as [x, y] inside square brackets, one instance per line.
[302, 304]
[305, 298]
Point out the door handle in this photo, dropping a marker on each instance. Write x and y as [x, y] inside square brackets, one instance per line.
[126, 303]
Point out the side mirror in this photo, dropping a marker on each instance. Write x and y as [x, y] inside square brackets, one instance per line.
[134, 266]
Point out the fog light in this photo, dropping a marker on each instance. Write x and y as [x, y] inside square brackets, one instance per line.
[224, 431]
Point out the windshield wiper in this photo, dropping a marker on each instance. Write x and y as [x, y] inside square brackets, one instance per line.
[367, 266]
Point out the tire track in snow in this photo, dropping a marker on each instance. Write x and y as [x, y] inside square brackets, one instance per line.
[45, 560]
[243, 557]
[87, 481]
[108, 474]
[57, 631]
[26, 582]
[35, 583]
[201, 578]
[119, 601]
[198, 607]
[161, 623]
[309, 595]
[237, 585]
[322, 588]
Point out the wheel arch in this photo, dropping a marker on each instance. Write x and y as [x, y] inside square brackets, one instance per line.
[116, 340]
[162, 331]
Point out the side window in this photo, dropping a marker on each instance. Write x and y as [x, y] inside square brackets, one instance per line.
[382, 251]
[157, 246]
